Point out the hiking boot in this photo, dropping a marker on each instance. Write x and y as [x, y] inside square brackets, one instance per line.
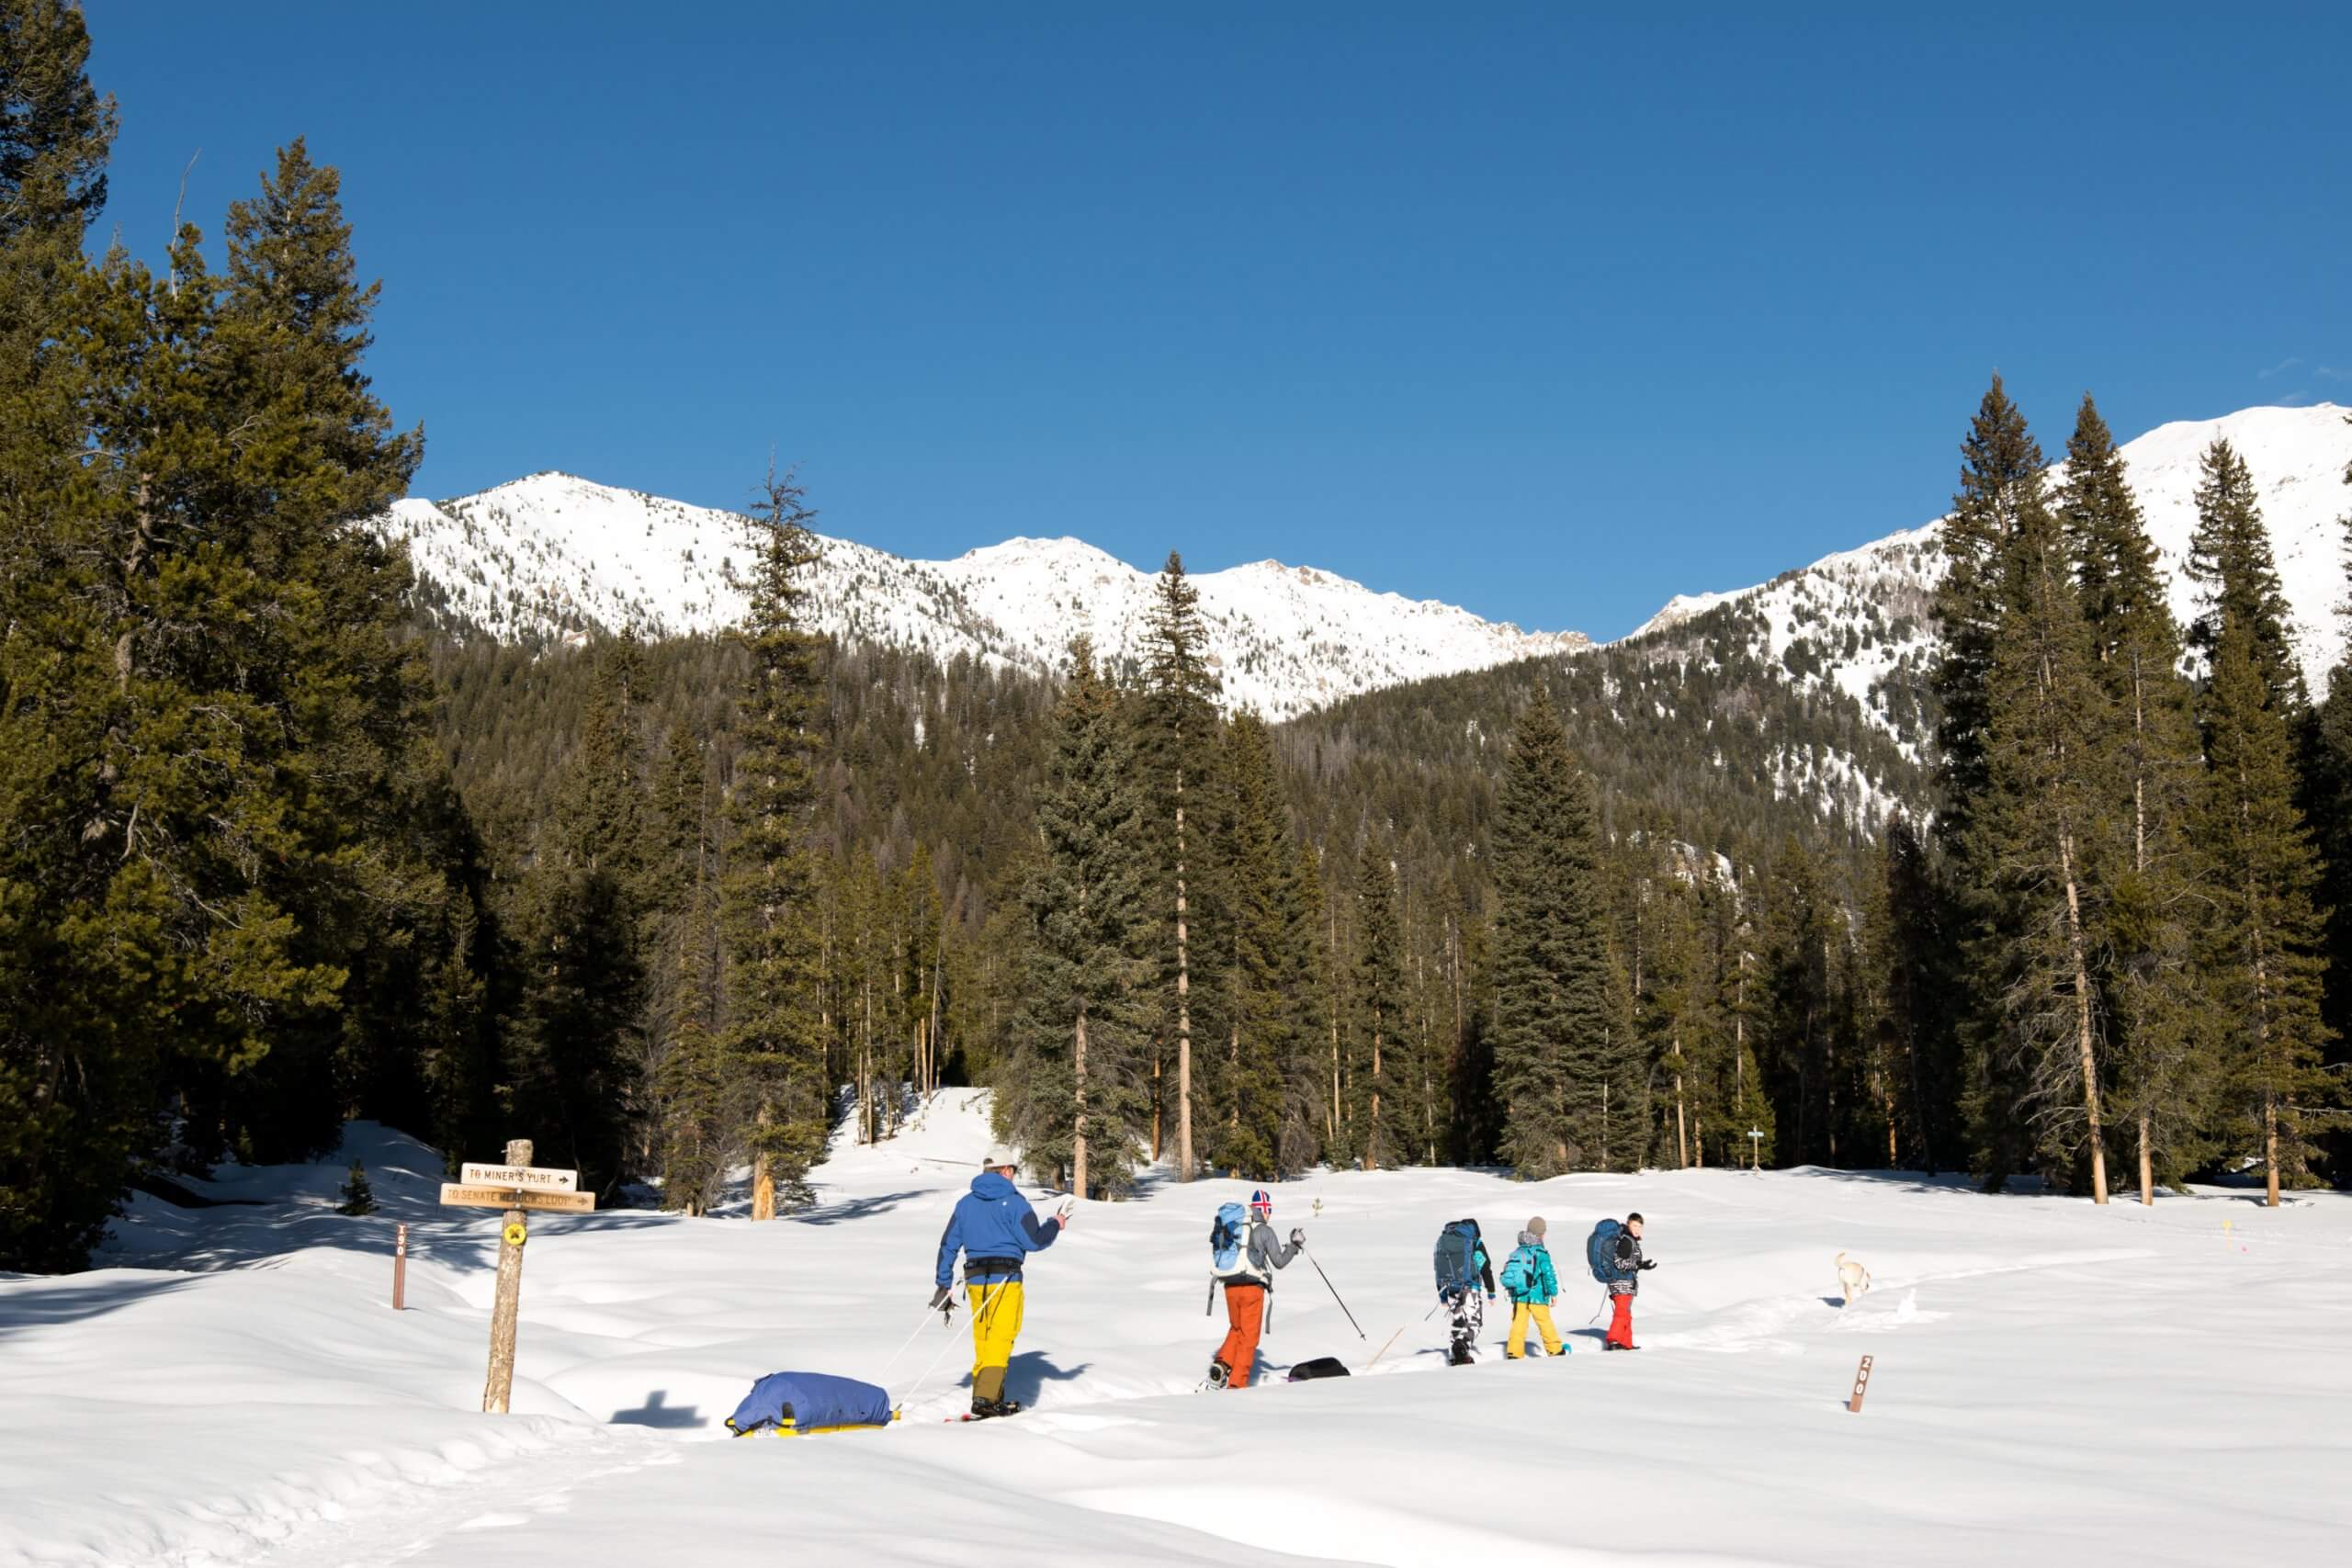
[1219, 1375]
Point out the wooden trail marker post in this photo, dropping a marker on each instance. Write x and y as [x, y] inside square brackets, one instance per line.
[1861, 1386]
[399, 1269]
[516, 1187]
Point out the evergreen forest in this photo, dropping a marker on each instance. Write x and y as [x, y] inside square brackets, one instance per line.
[281, 845]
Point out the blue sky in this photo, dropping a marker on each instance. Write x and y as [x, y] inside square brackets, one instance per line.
[1552, 311]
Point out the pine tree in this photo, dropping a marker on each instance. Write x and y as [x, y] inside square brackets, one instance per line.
[1914, 960]
[1074, 1090]
[1263, 1015]
[245, 854]
[358, 1197]
[771, 1042]
[1176, 733]
[1380, 1007]
[697, 1097]
[1803, 936]
[2157, 1024]
[572, 1056]
[2328, 791]
[2264, 936]
[55, 131]
[2043, 821]
[2001, 467]
[1552, 965]
[1305, 1085]
[2230, 560]
[1675, 1005]
[2001, 477]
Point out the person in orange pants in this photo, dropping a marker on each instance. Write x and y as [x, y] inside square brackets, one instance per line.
[1623, 1286]
[1258, 1253]
[1245, 1315]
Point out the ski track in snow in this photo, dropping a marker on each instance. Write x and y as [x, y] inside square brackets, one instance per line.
[2052, 1380]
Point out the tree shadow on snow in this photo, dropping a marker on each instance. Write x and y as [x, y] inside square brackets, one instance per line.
[658, 1412]
[37, 1304]
[1917, 1181]
[855, 1208]
[457, 1238]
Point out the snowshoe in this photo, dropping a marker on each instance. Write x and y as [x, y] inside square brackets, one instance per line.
[1219, 1375]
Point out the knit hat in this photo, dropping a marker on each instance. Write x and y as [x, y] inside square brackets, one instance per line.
[1535, 1227]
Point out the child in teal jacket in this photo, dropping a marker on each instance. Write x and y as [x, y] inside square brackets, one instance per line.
[1531, 1282]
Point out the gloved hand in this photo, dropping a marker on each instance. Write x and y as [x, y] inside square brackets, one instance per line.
[1649, 1263]
[1297, 1239]
[939, 1298]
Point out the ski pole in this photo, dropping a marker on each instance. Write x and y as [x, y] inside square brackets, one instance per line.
[1382, 1350]
[1335, 1296]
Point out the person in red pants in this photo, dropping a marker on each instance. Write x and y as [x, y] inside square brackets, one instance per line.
[1246, 1284]
[1625, 1285]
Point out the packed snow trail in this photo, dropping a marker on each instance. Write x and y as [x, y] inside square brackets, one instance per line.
[2165, 1385]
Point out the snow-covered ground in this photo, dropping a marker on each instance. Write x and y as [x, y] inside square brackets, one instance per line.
[2053, 1382]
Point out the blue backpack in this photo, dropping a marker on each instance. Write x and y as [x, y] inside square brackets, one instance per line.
[1227, 1233]
[1600, 1250]
[1457, 1256]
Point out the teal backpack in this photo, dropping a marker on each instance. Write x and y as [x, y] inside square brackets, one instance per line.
[1517, 1280]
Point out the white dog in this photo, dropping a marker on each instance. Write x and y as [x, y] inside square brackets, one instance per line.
[1852, 1278]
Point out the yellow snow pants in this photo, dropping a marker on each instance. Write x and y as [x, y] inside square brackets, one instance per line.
[1520, 1313]
[996, 1321]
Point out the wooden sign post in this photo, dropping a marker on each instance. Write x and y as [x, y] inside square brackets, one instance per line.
[1861, 1386]
[516, 1186]
[400, 1270]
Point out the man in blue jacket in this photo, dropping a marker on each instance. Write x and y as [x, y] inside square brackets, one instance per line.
[994, 1228]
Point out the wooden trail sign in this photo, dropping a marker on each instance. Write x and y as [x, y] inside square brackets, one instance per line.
[517, 1186]
[1861, 1386]
[536, 1177]
[461, 1196]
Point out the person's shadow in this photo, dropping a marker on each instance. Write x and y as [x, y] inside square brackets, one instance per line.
[1026, 1375]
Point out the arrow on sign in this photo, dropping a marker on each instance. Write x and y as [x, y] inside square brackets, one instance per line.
[454, 1195]
[539, 1178]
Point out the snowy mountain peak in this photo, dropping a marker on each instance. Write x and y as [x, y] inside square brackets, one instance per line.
[555, 556]
[1858, 621]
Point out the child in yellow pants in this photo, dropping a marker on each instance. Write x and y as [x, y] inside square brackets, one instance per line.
[1541, 1312]
[1532, 1284]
